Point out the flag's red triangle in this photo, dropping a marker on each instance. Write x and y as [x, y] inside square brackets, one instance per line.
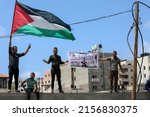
[20, 18]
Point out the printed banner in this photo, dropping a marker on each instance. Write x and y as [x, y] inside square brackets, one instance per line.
[80, 59]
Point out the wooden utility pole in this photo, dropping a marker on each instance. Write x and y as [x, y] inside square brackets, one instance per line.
[133, 97]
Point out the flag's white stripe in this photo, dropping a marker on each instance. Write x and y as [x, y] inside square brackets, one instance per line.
[40, 22]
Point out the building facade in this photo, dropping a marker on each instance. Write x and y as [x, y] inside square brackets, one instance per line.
[77, 79]
[145, 70]
[3, 82]
[126, 79]
[45, 82]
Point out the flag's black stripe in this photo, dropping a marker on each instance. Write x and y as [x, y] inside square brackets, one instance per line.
[51, 18]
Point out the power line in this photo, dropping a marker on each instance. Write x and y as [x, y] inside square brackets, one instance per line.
[140, 72]
[142, 43]
[99, 18]
[15, 35]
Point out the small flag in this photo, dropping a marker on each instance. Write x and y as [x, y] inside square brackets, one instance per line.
[36, 22]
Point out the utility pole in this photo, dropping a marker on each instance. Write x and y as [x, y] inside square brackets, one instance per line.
[133, 96]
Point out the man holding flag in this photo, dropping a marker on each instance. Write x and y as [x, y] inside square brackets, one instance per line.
[30, 21]
[14, 64]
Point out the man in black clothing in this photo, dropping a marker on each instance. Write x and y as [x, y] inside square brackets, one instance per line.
[14, 64]
[55, 69]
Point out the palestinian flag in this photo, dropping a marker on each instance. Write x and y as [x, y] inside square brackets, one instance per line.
[36, 22]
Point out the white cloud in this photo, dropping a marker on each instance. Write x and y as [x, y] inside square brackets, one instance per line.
[26, 74]
[2, 31]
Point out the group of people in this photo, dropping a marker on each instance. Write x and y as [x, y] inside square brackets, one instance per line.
[13, 67]
[55, 59]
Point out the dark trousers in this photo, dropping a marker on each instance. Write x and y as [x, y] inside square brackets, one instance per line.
[13, 72]
[29, 91]
[114, 80]
[56, 72]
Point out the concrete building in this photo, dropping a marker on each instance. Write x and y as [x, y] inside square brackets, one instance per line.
[3, 82]
[45, 82]
[84, 79]
[74, 79]
[145, 70]
[79, 79]
[126, 79]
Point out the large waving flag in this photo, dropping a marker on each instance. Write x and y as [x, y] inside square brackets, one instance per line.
[36, 22]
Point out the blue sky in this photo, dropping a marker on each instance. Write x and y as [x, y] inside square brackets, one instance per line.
[110, 32]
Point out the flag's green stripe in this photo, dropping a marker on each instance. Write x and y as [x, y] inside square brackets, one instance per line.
[31, 30]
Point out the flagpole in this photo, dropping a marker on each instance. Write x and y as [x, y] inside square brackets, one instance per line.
[13, 18]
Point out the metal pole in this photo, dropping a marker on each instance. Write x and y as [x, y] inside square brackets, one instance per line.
[133, 97]
[13, 17]
[103, 72]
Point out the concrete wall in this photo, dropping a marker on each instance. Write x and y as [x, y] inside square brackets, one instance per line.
[76, 96]
[66, 78]
[82, 79]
